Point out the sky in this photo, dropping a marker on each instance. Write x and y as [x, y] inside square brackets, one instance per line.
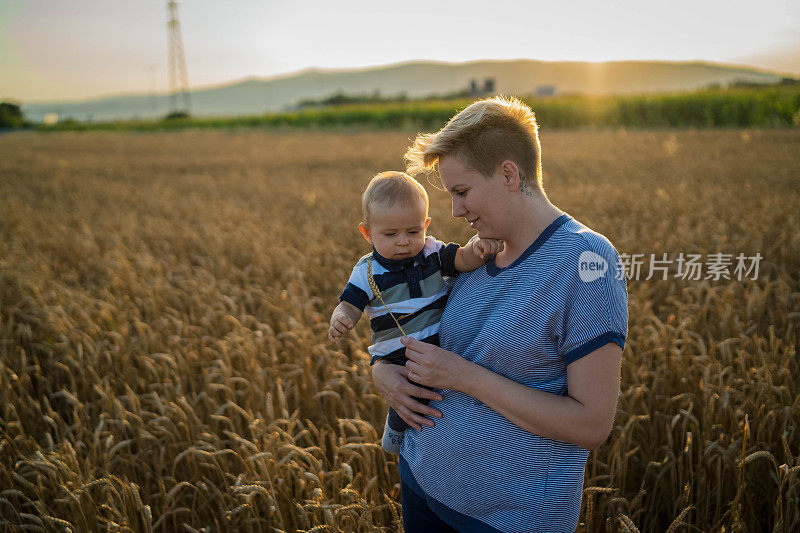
[61, 50]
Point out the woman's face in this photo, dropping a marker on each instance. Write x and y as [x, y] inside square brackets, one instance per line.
[478, 200]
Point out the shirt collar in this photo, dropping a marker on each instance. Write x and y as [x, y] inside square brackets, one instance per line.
[398, 265]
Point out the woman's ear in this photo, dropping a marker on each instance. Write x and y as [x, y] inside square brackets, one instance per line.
[510, 172]
[364, 229]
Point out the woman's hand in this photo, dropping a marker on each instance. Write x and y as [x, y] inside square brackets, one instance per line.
[434, 366]
[392, 382]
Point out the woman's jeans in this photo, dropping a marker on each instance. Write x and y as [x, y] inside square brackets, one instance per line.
[418, 517]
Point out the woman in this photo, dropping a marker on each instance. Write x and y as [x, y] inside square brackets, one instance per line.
[528, 371]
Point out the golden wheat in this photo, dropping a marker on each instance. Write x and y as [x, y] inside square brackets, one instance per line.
[164, 302]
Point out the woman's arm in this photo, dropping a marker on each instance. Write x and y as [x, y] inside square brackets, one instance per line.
[583, 417]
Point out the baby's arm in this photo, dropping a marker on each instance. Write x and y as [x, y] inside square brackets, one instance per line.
[475, 253]
[343, 319]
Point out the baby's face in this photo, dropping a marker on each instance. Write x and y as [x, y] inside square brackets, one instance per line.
[397, 231]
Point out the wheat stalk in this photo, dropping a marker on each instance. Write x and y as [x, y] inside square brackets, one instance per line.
[377, 292]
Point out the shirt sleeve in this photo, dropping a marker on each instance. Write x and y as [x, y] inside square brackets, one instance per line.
[357, 291]
[446, 253]
[447, 259]
[597, 309]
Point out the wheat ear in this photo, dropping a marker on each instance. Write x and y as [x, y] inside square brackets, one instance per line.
[374, 287]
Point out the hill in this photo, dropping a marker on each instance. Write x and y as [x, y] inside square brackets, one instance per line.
[417, 79]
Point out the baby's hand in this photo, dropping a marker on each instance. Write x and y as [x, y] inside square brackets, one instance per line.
[483, 248]
[340, 325]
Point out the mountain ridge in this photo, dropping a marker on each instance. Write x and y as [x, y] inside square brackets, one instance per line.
[415, 79]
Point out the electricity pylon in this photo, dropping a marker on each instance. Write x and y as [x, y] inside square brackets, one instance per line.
[178, 80]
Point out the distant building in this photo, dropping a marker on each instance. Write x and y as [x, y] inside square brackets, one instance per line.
[51, 118]
[475, 88]
[546, 90]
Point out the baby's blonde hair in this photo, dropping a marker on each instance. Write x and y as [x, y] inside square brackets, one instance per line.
[481, 137]
[392, 187]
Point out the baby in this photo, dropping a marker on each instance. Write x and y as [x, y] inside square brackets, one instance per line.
[402, 286]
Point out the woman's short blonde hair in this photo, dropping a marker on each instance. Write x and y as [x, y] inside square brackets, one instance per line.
[481, 137]
[391, 188]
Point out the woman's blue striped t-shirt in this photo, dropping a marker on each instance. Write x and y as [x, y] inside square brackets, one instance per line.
[562, 299]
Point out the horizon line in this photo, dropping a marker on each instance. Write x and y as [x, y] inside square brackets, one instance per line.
[328, 70]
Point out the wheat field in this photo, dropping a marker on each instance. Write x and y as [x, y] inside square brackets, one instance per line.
[164, 300]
